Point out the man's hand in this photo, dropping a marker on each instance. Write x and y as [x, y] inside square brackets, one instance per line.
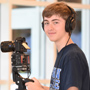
[34, 85]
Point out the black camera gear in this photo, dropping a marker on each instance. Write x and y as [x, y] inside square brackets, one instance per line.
[20, 61]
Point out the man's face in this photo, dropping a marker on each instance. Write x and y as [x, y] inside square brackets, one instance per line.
[54, 27]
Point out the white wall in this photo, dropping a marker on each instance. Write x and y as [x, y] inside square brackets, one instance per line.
[4, 36]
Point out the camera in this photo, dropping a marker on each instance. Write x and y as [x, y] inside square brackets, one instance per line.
[20, 61]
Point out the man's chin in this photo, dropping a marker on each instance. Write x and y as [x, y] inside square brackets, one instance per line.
[52, 40]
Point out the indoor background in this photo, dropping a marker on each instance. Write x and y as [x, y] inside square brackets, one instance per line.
[23, 18]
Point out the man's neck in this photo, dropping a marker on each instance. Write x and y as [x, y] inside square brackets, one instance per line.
[63, 43]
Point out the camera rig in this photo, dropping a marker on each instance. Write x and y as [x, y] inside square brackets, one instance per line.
[20, 61]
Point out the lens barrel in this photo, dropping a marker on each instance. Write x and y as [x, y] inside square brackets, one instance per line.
[7, 46]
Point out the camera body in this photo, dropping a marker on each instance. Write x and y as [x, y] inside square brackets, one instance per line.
[20, 61]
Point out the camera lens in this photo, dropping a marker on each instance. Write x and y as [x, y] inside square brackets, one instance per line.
[7, 46]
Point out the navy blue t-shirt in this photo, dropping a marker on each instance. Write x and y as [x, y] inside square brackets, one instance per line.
[71, 69]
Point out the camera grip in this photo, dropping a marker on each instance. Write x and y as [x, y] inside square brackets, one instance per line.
[28, 80]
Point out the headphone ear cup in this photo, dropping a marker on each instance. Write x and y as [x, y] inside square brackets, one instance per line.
[67, 25]
[70, 24]
[42, 25]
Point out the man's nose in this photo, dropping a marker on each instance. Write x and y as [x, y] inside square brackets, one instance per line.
[50, 26]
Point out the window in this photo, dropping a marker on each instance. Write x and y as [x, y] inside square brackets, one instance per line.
[26, 23]
[76, 34]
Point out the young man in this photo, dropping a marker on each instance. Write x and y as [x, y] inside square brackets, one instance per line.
[71, 69]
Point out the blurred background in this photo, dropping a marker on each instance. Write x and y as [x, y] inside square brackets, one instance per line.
[23, 18]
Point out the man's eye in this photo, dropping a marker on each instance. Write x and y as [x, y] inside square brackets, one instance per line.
[55, 22]
[46, 23]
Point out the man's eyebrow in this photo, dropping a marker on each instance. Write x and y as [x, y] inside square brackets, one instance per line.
[45, 20]
[52, 20]
[55, 20]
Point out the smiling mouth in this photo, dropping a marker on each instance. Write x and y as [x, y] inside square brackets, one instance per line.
[51, 33]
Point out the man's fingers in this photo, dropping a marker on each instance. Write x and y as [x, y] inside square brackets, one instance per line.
[28, 83]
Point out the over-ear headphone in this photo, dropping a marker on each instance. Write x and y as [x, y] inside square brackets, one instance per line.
[70, 22]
